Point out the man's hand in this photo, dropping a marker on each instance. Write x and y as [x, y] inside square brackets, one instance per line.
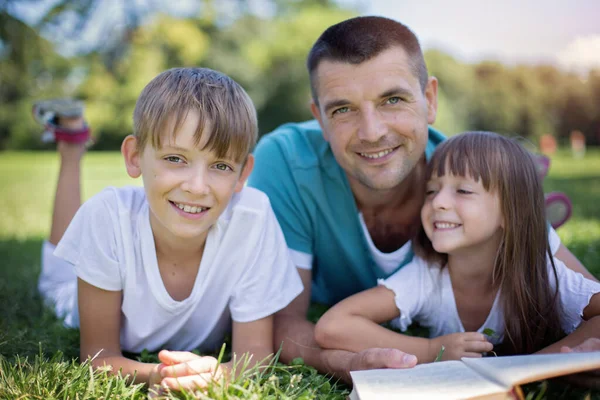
[457, 345]
[382, 358]
[592, 344]
[182, 370]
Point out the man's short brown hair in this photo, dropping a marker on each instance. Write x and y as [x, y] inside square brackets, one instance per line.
[227, 113]
[360, 39]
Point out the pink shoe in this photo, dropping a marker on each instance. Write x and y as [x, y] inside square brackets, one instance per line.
[558, 209]
[46, 113]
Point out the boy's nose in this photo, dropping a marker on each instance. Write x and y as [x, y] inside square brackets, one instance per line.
[196, 182]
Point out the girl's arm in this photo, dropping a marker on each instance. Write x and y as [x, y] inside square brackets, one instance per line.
[353, 325]
[100, 323]
[590, 328]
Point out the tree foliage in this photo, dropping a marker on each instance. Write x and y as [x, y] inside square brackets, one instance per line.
[263, 49]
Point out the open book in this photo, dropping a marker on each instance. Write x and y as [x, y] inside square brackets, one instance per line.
[481, 378]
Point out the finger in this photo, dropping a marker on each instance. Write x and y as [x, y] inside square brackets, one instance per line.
[470, 354]
[478, 347]
[472, 336]
[175, 357]
[192, 382]
[386, 358]
[200, 366]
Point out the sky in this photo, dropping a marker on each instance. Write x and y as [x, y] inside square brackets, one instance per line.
[565, 33]
[561, 32]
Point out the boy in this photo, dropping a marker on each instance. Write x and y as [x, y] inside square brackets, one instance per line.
[170, 264]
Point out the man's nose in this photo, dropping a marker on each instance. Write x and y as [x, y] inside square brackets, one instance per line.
[372, 126]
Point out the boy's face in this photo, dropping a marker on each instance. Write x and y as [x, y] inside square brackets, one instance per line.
[187, 188]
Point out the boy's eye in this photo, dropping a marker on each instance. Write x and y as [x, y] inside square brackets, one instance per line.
[174, 159]
[223, 167]
[394, 100]
[341, 110]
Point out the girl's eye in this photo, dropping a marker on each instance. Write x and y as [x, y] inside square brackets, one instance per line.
[223, 167]
[393, 100]
[464, 191]
[174, 159]
[341, 110]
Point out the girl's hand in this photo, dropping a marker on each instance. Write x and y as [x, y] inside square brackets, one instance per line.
[457, 345]
[182, 370]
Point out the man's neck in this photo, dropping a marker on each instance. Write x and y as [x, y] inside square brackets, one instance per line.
[369, 200]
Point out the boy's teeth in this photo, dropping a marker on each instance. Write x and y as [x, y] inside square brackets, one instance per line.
[190, 209]
[377, 155]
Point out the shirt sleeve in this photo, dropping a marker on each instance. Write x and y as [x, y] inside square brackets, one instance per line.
[273, 176]
[271, 280]
[575, 293]
[553, 240]
[89, 243]
[412, 285]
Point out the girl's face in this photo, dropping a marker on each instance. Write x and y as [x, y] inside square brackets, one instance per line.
[459, 214]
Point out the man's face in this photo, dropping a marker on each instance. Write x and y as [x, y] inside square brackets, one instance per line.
[375, 117]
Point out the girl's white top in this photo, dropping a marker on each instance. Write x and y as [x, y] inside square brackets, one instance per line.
[423, 294]
[246, 272]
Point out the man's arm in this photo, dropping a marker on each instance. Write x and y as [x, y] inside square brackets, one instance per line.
[295, 335]
[564, 255]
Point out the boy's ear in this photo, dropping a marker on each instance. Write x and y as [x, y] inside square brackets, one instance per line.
[245, 173]
[131, 155]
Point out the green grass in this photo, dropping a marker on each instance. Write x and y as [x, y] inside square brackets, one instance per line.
[38, 356]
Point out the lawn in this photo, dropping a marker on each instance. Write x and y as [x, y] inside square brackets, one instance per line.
[38, 357]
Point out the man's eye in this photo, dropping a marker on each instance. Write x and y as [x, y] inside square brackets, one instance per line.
[223, 167]
[173, 159]
[394, 100]
[341, 110]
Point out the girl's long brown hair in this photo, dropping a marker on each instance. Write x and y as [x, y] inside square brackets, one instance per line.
[530, 305]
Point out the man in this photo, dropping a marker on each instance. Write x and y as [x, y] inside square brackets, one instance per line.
[348, 188]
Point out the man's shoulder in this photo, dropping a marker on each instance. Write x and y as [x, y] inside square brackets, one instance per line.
[300, 145]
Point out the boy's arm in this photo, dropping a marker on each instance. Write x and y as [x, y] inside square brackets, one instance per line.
[296, 336]
[100, 316]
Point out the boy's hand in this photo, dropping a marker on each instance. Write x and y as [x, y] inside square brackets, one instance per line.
[457, 345]
[182, 370]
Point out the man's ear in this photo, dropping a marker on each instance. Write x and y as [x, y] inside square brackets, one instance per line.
[248, 167]
[316, 112]
[131, 155]
[431, 92]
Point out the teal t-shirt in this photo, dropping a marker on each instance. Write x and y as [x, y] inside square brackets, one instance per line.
[315, 207]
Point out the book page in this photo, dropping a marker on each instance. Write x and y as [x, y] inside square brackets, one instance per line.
[517, 370]
[440, 380]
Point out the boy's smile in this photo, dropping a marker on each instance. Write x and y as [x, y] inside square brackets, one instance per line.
[187, 185]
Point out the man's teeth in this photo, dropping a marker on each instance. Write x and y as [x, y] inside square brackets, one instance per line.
[190, 209]
[445, 225]
[377, 155]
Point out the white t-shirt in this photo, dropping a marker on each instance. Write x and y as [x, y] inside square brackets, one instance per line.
[246, 272]
[423, 293]
[389, 262]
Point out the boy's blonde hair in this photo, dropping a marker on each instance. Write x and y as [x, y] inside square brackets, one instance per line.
[227, 113]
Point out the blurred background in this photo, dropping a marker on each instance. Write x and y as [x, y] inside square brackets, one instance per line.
[528, 68]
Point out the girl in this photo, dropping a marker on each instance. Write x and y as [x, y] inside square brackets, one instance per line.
[483, 275]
